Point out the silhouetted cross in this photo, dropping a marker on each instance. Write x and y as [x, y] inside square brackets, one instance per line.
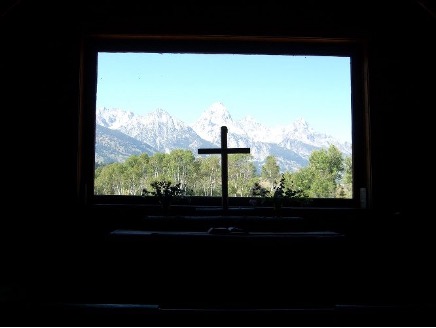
[224, 151]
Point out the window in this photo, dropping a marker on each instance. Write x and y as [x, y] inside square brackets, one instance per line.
[149, 103]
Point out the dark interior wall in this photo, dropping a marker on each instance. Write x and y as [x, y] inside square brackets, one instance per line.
[401, 80]
[41, 61]
[40, 58]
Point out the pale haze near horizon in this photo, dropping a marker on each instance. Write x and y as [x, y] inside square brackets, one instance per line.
[274, 90]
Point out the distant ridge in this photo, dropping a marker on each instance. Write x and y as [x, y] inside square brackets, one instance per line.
[121, 133]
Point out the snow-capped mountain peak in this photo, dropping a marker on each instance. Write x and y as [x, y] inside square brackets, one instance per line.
[161, 116]
[113, 118]
[210, 121]
[218, 114]
[301, 124]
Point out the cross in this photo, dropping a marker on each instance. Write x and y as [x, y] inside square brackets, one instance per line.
[224, 151]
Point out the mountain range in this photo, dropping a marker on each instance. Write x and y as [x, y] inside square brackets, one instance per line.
[121, 133]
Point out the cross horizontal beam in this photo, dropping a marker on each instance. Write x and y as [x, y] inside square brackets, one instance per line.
[220, 151]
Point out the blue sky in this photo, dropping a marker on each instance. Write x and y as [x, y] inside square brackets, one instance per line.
[275, 90]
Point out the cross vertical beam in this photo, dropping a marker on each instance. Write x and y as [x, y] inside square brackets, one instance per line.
[224, 151]
[224, 168]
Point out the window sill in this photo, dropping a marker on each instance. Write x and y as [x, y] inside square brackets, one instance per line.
[149, 210]
[149, 234]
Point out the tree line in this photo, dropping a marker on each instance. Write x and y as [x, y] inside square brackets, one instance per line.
[328, 174]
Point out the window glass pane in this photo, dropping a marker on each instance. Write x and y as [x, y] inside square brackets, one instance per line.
[155, 110]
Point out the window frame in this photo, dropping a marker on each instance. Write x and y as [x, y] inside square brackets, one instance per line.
[355, 48]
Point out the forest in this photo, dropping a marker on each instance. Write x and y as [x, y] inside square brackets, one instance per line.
[327, 175]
